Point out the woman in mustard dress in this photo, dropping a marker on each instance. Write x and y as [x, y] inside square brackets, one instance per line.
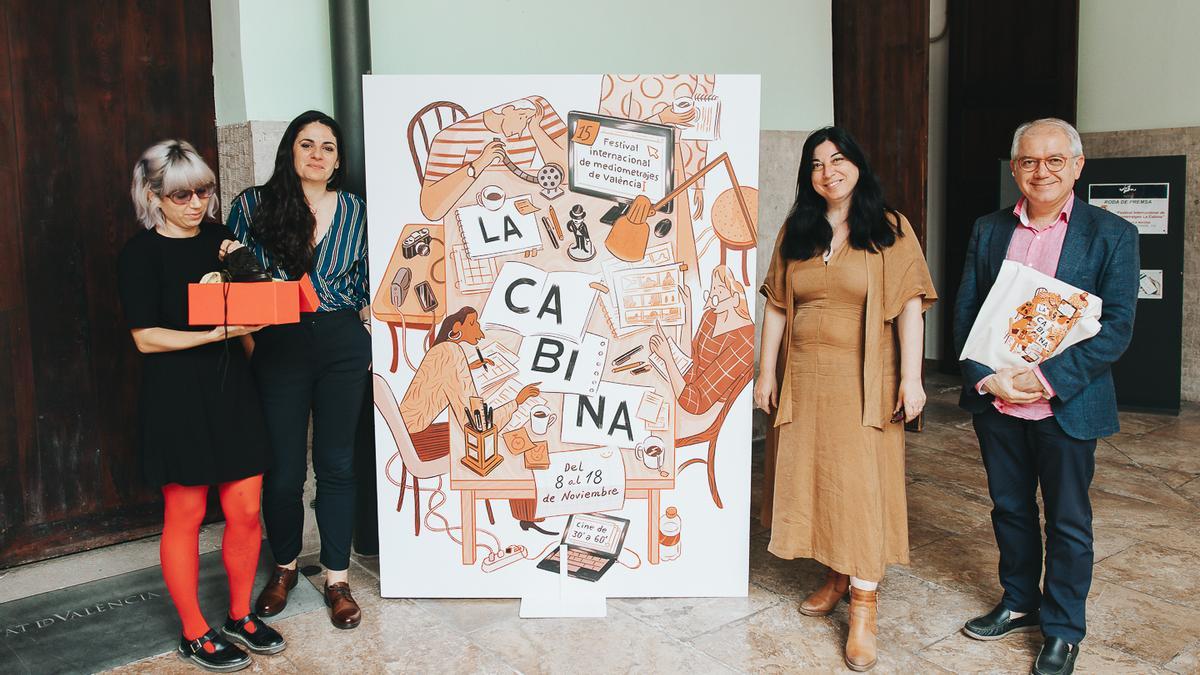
[841, 370]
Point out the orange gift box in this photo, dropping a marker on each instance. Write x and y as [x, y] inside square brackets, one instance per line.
[250, 304]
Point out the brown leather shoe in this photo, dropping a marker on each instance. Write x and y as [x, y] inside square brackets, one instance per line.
[344, 612]
[824, 599]
[860, 642]
[273, 597]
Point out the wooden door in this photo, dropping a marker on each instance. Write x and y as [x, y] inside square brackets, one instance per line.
[85, 87]
[1010, 62]
[881, 93]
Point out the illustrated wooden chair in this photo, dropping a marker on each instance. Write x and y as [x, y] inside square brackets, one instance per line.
[428, 121]
[686, 420]
[428, 459]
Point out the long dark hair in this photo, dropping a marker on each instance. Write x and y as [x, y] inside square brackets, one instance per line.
[283, 223]
[808, 232]
[448, 324]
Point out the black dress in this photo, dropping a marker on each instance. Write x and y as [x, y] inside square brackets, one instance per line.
[199, 414]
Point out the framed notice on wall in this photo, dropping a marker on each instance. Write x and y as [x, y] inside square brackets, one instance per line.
[1150, 193]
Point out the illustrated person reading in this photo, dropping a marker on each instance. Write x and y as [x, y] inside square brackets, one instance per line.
[721, 349]
[1038, 426]
[518, 131]
[443, 381]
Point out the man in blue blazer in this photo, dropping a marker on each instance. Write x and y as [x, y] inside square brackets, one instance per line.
[1039, 425]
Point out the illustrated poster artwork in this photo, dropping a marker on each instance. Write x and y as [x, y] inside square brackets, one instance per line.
[561, 313]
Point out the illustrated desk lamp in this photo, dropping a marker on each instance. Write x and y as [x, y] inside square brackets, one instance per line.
[629, 234]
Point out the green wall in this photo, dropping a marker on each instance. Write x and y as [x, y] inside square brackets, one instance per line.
[1137, 64]
[272, 56]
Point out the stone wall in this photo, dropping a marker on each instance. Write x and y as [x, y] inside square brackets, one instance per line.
[246, 152]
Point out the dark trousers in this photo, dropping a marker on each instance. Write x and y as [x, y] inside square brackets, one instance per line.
[1018, 455]
[317, 366]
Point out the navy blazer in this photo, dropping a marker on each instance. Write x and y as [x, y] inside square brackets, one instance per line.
[1100, 256]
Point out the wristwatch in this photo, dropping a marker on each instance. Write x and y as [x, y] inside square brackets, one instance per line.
[470, 170]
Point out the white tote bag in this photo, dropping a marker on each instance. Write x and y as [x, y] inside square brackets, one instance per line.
[1029, 317]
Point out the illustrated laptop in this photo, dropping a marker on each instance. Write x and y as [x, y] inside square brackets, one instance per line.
[593, 541]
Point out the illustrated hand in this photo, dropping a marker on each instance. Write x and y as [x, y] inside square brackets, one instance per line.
[640, 209]
[910, 399]
[766, 392]
[658, 342]
[1028, 382]
[491, 152]
[527, 392]
[659, 347]
[477, 364]
[1001, 386]
[669, 116]
[539, 114]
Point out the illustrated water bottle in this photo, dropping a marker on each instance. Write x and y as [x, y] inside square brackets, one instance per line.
[668, 534]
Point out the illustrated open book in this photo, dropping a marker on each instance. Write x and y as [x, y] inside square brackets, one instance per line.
[1029, 317]
[531, 301]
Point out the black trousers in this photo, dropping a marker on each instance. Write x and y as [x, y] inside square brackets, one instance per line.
[318, 366]
[1018, 455]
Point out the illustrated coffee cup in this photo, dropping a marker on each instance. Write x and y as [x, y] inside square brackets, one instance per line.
[540, 419]
[682, 104]
[652, 452]
[490, 197]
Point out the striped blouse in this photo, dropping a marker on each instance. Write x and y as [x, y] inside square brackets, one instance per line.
[464, 140]
[339, 270]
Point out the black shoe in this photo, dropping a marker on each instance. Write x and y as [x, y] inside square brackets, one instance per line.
[527, 525]
[1056, 658]
[242, 266]
[264, 639]
[224, 657]
[997, 623]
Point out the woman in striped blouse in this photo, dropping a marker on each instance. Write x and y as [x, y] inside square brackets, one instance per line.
[299, 223]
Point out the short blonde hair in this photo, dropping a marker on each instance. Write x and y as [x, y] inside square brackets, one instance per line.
[722, 275]
[163, 168]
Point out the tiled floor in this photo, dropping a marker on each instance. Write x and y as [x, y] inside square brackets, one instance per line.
[1144, 609]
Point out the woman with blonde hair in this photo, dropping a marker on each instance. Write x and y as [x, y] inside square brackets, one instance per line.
[199, 416]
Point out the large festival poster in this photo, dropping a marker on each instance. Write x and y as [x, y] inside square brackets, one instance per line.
[561, 301]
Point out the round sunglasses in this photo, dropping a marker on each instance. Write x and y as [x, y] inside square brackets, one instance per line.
[184, 197]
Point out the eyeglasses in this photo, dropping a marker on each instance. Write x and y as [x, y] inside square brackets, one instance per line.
[184, 197]
[1053, 164]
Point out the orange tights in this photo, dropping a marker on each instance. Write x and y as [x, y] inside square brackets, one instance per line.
[179, 552]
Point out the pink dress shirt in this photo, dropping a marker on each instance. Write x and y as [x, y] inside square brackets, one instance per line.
[1040, 250]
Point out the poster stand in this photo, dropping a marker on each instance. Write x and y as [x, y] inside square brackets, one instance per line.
[571, 598]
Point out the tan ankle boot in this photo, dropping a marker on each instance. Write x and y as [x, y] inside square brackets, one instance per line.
[860, 643]
[825, 598]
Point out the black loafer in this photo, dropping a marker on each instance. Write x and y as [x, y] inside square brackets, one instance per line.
[999, 622]
[242, 266]
[1056, 658]
[224, 657]
[264, 639]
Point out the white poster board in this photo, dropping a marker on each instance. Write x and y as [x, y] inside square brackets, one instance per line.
[521, 305]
